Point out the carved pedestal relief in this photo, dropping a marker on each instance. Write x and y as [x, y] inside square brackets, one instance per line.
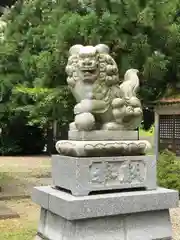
[114, 173]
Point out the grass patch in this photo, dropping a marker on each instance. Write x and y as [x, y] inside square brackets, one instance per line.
[23, 228]
[6, 177]
[144, 133]
[19, 173]
[149, 136]
[22, 234]
[41, 173]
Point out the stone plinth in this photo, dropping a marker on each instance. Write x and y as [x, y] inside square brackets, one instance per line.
[84, 175]
[139, 215]
[102, 134]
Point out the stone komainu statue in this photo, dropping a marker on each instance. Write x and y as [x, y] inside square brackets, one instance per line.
[103, 102]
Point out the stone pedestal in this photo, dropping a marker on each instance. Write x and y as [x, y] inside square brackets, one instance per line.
[139, 215]
[83, 175]
[104, 185]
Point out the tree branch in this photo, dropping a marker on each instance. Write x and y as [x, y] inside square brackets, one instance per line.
[108, 4]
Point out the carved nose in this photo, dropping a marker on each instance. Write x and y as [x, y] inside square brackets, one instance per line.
[87, 63]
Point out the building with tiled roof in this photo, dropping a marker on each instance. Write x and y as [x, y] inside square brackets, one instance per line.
[167, 122]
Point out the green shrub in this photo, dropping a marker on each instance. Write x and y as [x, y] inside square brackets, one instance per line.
[9, 147]
[168, 171]
[18, 138]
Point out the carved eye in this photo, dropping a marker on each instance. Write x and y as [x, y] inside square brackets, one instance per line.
[109, 69]
[109, 60]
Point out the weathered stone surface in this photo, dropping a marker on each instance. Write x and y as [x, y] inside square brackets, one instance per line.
[84, 175]
[103, 102]
[140, 226]
[150, 225]
[101, 205]
[102, 148]
[102, 135]
[42, 196]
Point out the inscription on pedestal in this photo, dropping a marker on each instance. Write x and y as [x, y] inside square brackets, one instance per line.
[112, 173]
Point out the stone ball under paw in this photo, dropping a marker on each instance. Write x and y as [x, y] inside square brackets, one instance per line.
[85, 121]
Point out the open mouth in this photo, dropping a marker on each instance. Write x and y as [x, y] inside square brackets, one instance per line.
[89, 71]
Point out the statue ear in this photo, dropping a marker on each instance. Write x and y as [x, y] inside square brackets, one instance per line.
[75, 49]
[102, 48]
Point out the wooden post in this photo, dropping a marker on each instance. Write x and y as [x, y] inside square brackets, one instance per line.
[156, 135]
[49, 139]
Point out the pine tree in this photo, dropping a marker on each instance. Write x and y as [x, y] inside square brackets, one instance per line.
[143, 34]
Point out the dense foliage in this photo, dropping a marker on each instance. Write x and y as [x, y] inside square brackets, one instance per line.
[6, 3]
[18, 138]
[168, 171]
[143, 34]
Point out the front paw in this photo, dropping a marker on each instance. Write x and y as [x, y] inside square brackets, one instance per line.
[83, 107]
[78, 109]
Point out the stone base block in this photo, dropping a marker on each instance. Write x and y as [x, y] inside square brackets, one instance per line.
[141, 226]
[101, 205]
[142, 215]
[84, 175]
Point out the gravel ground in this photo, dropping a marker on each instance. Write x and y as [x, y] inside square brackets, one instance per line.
[175, 219]
[18, 175]
[24, 164]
